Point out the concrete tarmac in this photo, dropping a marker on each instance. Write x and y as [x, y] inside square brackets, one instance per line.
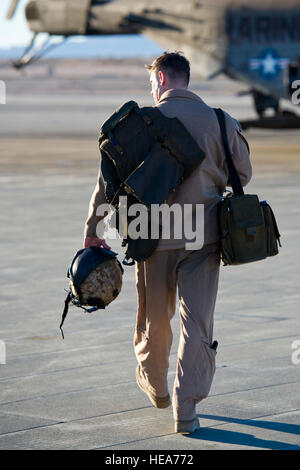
[81, 393]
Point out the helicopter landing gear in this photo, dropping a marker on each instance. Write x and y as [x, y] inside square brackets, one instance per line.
[281, 119]
[263, 102]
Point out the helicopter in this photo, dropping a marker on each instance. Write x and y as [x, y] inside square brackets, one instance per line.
[257, 43]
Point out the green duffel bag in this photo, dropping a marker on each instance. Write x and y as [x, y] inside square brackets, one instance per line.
[248, 227]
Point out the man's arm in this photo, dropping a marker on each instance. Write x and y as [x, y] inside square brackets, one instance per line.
[241, 155]
[90, 230]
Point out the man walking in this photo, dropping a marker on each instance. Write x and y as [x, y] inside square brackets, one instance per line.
[194, 273]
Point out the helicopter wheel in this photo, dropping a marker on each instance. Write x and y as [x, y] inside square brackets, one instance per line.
[263, 102]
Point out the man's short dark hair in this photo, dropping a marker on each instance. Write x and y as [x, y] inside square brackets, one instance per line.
[172, 63]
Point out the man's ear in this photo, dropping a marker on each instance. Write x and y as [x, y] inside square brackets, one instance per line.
[162, 77]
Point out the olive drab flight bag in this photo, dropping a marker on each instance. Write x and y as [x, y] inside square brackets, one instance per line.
[144, 156]
[248, 227]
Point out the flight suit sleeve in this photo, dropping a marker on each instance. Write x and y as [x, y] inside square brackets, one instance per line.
[241, 154]
[98, 198]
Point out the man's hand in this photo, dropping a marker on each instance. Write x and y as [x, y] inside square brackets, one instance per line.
[94, 241]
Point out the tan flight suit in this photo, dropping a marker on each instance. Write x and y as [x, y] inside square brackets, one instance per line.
[193, 273]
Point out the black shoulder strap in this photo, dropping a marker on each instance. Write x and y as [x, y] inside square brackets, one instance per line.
[233, 174]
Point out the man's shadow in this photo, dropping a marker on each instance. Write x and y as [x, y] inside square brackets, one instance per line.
[243, 439]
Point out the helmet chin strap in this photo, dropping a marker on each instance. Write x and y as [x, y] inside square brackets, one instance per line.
[65, 312]
[70, 298]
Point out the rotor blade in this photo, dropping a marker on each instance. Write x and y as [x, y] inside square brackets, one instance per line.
[12, 9]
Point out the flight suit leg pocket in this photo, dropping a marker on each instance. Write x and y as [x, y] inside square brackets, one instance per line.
[205, 368]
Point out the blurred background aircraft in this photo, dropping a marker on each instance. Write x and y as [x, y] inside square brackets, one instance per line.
[257, 44]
